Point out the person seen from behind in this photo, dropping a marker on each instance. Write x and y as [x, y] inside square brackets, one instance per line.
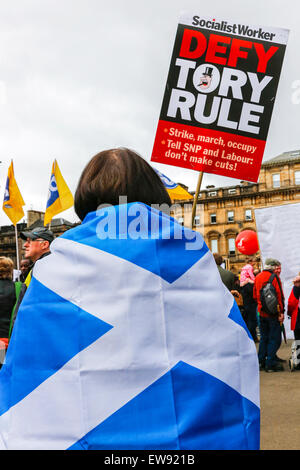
[270, 326]
[230, 281]
[136, 350]
[226, 275]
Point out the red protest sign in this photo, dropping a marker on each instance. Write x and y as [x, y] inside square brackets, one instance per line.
[219, 97]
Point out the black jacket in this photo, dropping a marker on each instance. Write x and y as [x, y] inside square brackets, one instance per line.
[7, 302]
[247, 293]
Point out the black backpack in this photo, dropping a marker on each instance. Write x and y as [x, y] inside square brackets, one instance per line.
[268, 297]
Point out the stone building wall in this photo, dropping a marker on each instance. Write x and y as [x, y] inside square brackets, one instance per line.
[225, 212]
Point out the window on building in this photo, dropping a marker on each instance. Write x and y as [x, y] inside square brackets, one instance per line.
[276, 180]
[214, 246]
[213, 218]
[231, 246]
[180, 220]
[212, 193]
[248, 214]
[197, 220]
[230, 216]
[232, 191]
[297, 177]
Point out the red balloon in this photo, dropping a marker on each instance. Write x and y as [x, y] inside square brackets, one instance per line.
[246, 242]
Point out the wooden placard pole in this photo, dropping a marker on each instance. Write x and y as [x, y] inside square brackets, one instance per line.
[196, 195]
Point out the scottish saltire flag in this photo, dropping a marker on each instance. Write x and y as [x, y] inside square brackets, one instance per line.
[176, 192]
[60, 197]
[128, 339]
[12, 202]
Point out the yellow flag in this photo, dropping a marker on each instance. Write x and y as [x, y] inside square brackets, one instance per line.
[60, 197]
[176, 192]
[13, 202]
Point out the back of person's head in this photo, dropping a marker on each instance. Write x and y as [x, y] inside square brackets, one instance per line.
[271, 264]
[114, 173]
[6, 268]
[218, 259]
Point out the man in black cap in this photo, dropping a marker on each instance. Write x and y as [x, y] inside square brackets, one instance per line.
[37, 245]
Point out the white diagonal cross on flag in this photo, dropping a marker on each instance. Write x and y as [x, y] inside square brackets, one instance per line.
[149, 336]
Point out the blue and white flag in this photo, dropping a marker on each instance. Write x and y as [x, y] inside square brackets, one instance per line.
[176, 192]
[128, 339]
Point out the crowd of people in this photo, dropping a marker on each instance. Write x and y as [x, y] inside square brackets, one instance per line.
[127, 319]
[109, 175]
[266, 327]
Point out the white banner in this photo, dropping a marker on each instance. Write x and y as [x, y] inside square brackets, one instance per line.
[278, 230]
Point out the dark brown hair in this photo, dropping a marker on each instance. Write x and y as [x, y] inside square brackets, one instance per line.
[114, 173]
[218, 259]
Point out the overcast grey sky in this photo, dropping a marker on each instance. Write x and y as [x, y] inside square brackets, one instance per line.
[80, 76]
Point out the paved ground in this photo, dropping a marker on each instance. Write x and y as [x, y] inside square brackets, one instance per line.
[280, 406]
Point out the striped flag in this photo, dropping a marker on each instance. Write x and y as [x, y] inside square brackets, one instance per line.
[60, 197]
[176, 192]
[128, 339]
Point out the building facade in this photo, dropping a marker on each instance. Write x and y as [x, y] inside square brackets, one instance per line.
[222, 213]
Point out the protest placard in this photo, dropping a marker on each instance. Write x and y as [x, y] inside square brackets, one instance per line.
[219, 96]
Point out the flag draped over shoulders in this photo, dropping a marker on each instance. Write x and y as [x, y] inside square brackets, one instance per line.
[128, 339]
